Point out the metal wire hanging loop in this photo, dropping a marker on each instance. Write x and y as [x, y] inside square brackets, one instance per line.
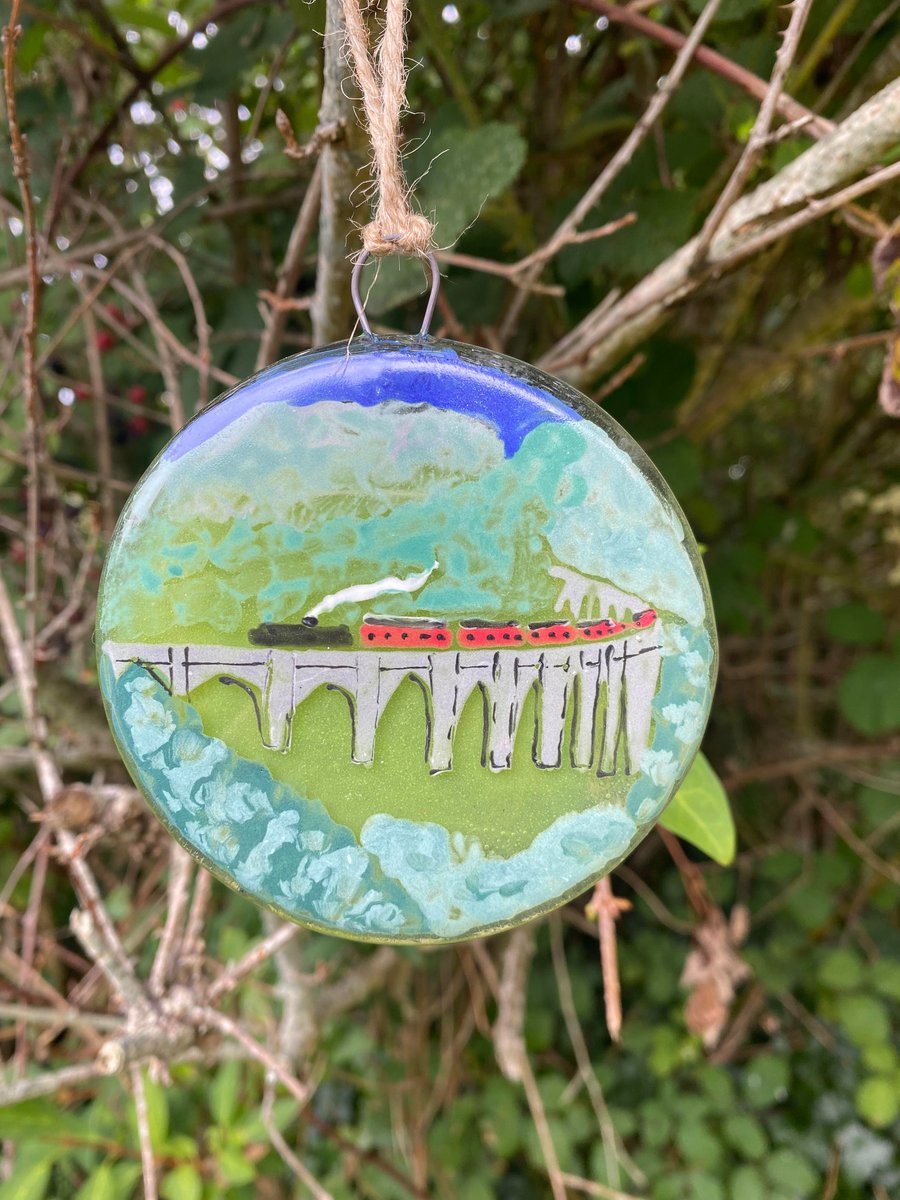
[429, 307]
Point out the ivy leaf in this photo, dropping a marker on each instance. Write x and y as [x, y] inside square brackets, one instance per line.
[465, 168]
[184, 1183]
[700, 813]
[469, 168]
[869, 694]
[855, 624]
[878, 1101]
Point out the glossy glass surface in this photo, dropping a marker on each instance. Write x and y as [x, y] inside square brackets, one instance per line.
[406, 640]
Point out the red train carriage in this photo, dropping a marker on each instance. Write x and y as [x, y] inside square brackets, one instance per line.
[551, 633]
[643, 620]
[405, 632]
[595, 631]
[473, 634]
[402, 633]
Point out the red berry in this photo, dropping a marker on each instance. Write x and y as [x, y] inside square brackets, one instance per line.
[137, 393]
[138, 426]
[82, 391]
[105, 340]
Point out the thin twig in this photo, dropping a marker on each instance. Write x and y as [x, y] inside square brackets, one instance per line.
[287, 1155]
[289, 275]
[653, 902]
[204, 355]
[210, 1018]
[759, 134]
[821, 758]
[181, 867]
[30, 386]
[215, 15]
[32, 1087]
[614, 1152]
[845, 831]
[36, 1014]
[255, 956]
[509, 1042]
[619, 377]
[101, 415]
[542, 1128]
[623, 156]
[590, 1188]
[605, 909]
[193, 931]
[789, 108]
[801, 189]
[148, 1159]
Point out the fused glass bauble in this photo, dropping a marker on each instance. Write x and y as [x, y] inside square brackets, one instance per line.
[405, 640]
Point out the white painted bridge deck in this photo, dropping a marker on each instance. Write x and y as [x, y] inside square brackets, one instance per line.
[605, 690]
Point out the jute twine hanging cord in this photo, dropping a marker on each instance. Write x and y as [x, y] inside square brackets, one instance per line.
[395, 227]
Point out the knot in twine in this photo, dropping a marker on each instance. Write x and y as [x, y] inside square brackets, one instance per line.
[395, 227]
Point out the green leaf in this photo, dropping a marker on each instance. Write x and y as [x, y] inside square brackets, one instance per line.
[885, 975]
[745, 1135]
[841, 970]
[41, 1120]
[476, 164]
[747, 1183]
[878, 1101]
[184, 1183]
[465, 168]
[855, 624]
[30, 1179]
[700, 813]
[792, 1174]
[766, 1080]
[223, 1093]
[235, 1167]
[869, 694]
[703, 1186]
[697, 1145]
[157, 1110]
[881, 1058]
[717, 1084]
[864, 1018]
[99, 1185]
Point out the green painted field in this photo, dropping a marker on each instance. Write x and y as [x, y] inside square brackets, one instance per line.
[505, 809]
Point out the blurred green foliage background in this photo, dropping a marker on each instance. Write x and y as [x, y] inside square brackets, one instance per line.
[168, 202]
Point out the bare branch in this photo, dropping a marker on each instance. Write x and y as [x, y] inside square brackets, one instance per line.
[31, 390]
[254, 957]
[788, 108]
[288, 1156]
[181, 869]
[613, 1150]
[759, 134]
[304, 227]
[148, 1158]
[342, 164]
[802, 188]
[623, 156]
[509, 1041]
[34, 1086]
[605, 909]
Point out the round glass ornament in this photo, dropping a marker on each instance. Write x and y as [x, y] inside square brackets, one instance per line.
[405, 640]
